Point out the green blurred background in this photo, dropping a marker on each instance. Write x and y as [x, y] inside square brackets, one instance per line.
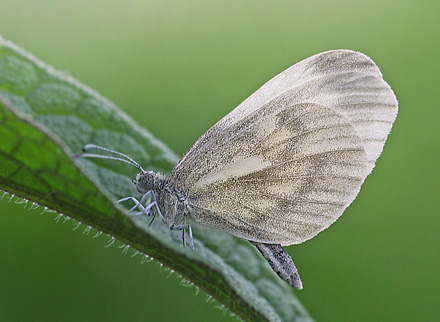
[179, 66]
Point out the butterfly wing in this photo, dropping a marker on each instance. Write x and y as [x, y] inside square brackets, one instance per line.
[285, 163]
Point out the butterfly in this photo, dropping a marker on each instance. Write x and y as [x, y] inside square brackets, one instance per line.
[284, 164]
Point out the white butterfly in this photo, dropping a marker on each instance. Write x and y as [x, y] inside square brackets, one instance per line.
[284, 164]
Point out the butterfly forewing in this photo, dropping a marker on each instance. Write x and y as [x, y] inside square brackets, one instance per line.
[286, 163]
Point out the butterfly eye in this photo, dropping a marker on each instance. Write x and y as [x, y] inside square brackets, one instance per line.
[145, 181]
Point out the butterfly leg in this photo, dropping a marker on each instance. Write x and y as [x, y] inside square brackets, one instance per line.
[139, 204]
[280, 262]
[183, 227]
[143, 210]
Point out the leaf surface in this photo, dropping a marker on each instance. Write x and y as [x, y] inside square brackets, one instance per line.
[46, 116]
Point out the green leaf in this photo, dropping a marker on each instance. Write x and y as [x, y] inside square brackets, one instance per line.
[46, 116]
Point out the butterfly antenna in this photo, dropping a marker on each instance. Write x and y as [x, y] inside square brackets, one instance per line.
[124, 158]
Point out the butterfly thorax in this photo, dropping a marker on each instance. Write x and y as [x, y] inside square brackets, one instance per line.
[171, 202]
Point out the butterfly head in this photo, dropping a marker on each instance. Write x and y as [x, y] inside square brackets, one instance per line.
[147, 180]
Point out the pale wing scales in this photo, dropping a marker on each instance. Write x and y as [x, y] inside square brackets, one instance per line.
[342, 94]
[367, 101]
[299, 187]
